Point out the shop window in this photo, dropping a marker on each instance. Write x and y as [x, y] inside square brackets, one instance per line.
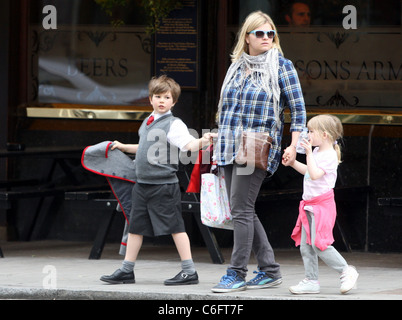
[339, 67]
[93, 57]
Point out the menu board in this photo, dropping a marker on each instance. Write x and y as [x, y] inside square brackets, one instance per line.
[176, 45]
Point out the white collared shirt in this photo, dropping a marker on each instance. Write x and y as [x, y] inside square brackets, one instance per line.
[178, 134]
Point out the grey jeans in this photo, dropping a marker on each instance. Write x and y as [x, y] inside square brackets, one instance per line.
[310, 253]
[248, 234]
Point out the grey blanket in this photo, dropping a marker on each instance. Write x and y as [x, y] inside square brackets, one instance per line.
[119, 170]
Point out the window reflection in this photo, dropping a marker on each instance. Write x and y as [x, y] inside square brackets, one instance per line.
[87, 60]
[338, 68]
[324, 13]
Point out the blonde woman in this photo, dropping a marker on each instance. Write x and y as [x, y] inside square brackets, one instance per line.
[259, 85]
[317, 211]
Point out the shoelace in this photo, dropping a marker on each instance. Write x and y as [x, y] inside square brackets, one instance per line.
[344, 276]
[347, 274]
[228, 279]
[260, 274]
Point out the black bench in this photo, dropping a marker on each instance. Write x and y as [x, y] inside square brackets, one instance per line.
[6, 184]
[346, 193]
[10, 198]
[46, 185]
[108, 200]
[191, 204]
[390, 206]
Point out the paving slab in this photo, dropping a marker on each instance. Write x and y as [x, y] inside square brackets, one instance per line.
[61, 270]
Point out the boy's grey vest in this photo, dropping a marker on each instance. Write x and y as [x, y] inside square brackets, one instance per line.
[156, 161]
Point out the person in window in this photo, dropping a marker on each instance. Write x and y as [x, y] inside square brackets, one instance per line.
[259, 85]
[298, 15]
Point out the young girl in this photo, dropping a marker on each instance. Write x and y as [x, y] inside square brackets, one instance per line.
[317, 210]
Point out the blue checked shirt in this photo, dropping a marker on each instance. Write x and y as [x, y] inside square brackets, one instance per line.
[246, 107]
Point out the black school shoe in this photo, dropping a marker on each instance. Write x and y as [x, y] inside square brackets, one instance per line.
[182, 278]
[119, 277]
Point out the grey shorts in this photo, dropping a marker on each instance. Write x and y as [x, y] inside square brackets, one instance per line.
[156, 210]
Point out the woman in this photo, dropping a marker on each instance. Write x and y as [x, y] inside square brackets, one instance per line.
[259, 85]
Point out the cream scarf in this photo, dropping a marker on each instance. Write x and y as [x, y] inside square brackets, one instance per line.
[264, 70]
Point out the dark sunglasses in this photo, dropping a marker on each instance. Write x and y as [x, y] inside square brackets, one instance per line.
[260, 33]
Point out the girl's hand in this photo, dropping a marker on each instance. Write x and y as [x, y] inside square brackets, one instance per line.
[307, 146]
[285, 161]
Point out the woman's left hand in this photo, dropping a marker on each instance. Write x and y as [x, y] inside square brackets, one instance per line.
[289, 156]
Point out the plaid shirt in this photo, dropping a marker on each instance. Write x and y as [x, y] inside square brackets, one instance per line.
[242, 100]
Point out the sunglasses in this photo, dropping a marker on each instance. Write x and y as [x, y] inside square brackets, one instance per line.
[260, 33]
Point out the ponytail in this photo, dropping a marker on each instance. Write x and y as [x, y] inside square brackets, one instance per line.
[338, 151]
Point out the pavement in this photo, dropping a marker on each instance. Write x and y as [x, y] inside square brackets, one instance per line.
[61, 270]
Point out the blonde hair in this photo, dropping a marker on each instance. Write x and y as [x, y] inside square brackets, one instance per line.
[252, 22]
[163, 84]
[332, 126]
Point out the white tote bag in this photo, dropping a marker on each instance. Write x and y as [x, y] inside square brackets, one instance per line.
[214, 202]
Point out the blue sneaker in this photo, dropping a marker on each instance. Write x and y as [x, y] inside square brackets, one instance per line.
[230, 282]
[262, 280]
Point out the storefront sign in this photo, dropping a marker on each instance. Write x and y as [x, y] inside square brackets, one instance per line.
[346, 68]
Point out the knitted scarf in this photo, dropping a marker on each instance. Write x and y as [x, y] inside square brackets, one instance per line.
[264, 70]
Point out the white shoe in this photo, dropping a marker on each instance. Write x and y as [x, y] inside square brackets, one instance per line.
[348, 279]
[306, 286]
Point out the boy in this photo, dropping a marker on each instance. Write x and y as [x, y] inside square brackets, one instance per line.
[156, 193]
